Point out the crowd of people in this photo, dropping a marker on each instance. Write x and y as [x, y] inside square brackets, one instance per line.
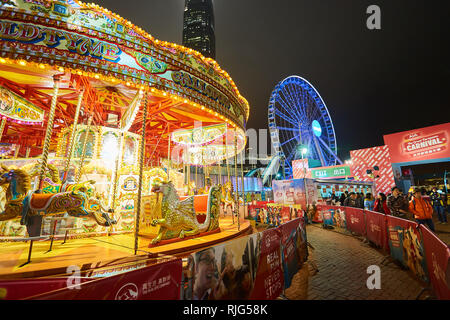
[418, 205]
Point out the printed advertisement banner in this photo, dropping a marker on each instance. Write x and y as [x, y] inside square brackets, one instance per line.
[156, 282]
[406, 245]
[294, 250]
[289, 192]
[22, 289]
[355, 220]
[376, 229]
[438, 262]
[419, 144]
[248, 268]
[269, 278]
[332, 216]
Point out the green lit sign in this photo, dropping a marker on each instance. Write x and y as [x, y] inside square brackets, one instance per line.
[331, 172]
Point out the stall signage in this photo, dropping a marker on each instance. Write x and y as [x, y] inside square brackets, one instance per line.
[331, 172]
[420, 144]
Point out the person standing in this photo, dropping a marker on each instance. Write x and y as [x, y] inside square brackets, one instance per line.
[360, 200]
[381, 205]
[344, 196]
[438, 205]
[334, 198]
[369, 202]
[397, 204]
[422, 210]
[351, 201]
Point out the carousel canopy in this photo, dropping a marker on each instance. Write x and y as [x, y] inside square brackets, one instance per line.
[115, 65]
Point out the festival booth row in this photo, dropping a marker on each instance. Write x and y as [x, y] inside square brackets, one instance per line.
[254, 267]
[391, 164]
[414, 247]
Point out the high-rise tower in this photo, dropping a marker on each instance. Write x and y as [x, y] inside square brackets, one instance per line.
[198, 27]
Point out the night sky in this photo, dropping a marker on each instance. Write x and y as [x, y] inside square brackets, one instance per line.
[373, 82]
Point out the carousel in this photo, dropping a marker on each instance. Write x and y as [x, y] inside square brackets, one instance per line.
[112, 143]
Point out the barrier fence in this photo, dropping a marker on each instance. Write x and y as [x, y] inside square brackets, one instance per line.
[414, 246]
[258, 266]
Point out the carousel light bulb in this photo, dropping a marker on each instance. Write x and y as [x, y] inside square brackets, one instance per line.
[22, 63]
[61, 69]
[2, 60]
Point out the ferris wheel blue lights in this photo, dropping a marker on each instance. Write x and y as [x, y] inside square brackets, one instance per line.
[316, 128]
[299, 120]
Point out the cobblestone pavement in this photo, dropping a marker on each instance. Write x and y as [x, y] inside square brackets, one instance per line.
[342, 262]
[443, 230]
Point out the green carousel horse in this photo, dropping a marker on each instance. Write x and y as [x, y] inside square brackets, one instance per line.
[53, 184]
[21, 201]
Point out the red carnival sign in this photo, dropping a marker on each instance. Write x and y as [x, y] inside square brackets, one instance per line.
[419, 144]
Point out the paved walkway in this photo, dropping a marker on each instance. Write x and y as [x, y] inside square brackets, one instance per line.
[342, 262]
[443, 230]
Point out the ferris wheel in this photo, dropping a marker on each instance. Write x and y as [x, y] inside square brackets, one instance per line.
[300, 125]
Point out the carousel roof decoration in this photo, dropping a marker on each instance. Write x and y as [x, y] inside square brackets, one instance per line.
[96, 50]
[14, 107]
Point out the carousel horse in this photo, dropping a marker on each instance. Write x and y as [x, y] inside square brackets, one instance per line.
[179, 218]
[21, 201]
[53, 184]
[227, 197]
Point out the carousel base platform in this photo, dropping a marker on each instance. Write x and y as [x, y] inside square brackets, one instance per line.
[87, 253]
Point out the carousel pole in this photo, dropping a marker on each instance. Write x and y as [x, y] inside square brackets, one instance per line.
[228, 171]
[242, 181]
[48, 132]
[169, 162]
[196, 181]
[141, 170]
[16, 152]
[188, 168]
[203, 173]
[83, 152]
[72, 136]
[220, 171]
[27, 154]
[116, 171]
[2, 127]
[236, 179]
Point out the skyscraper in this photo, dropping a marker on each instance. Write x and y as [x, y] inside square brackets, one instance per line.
[198, 27]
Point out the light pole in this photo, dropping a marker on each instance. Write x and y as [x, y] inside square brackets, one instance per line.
[303, 151]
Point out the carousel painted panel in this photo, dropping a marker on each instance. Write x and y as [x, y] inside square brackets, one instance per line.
[127, 197]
